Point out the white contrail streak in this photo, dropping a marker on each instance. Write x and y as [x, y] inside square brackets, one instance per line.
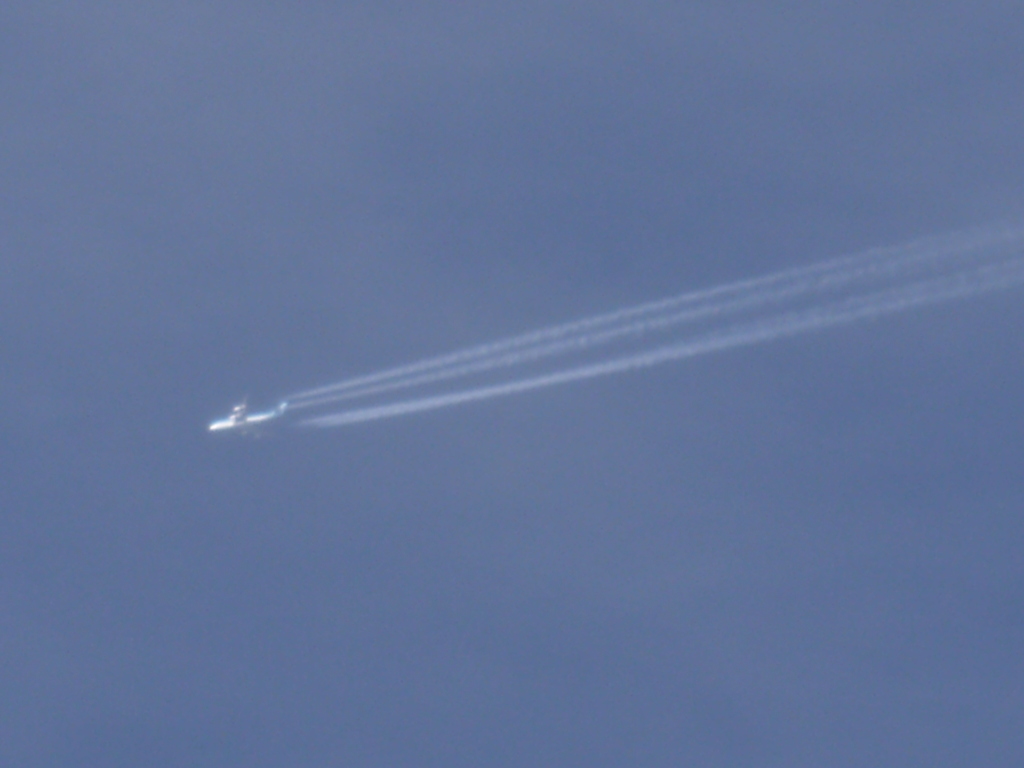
[904, 262]
[963, 284]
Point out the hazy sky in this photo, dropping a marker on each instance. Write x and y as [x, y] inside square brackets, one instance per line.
[800, 554]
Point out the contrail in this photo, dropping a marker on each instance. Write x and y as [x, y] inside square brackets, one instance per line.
[963, 284]
[909, 261]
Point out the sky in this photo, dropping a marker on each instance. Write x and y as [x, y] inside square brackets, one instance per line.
[798, 554]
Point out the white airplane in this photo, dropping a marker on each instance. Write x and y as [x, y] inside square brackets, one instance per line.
[240, 420]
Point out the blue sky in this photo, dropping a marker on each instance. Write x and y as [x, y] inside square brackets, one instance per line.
[806, 553]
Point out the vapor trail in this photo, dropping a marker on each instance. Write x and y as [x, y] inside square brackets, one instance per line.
[909, 261]
[963, 284]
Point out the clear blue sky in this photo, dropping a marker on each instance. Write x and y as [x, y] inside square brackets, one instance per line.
[803, 554]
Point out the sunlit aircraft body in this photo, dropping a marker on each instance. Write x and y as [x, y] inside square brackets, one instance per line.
[240, 420]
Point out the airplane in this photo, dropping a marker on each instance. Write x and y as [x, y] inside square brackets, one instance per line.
[242, 421]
